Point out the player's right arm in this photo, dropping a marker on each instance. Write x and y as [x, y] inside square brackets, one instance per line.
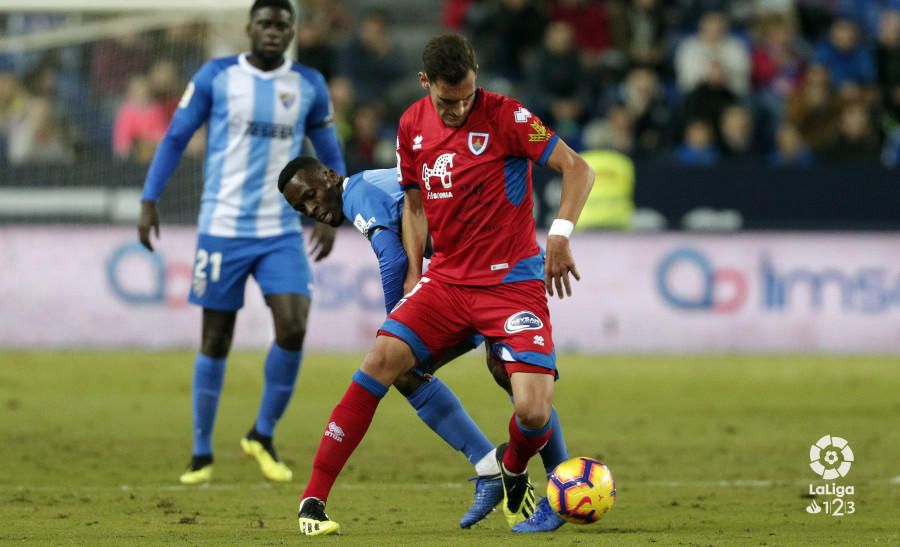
[193, 110]
[414, 225]
[415, 234]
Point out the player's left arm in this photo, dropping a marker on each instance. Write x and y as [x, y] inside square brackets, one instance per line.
[577, 179]
[322, 134]
[392, 265]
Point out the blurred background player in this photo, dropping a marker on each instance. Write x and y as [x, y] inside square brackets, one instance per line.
[373, 201]
[487, 273]
[259, 107]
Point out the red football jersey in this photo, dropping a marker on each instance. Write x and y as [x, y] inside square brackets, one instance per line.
[476, 187]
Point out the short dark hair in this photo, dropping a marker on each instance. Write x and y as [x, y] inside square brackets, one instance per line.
[300, 163]
[278, 4]
[448, 57]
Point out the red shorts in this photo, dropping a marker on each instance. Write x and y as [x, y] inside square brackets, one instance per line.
[436, 316]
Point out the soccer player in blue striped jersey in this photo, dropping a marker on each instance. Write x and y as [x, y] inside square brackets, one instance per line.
[259, 107]
[373, 202]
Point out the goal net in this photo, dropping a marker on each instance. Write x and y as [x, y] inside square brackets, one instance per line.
[86, 92]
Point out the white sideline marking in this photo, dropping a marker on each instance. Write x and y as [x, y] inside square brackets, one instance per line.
[737, 483]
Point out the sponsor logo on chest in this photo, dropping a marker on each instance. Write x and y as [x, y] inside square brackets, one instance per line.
[440, 170]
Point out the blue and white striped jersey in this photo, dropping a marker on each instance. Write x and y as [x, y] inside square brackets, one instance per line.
[257, 123]
[373, 199]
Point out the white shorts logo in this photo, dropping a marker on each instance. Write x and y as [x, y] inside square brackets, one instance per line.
[335, 432]
[831, 457]
[523, 320]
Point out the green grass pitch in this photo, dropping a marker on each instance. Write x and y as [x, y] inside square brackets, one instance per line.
[705, 450]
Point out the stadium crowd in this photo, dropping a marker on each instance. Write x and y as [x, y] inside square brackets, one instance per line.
[692, 82]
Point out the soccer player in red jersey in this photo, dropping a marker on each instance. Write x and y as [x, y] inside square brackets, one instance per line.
[465, 157]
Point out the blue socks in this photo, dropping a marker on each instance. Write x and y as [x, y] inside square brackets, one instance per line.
[209, 375]
[439, 407]
[282, 367]
[555, 451]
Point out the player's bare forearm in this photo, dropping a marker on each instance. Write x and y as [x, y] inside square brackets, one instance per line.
[414, 234]
[577, 179]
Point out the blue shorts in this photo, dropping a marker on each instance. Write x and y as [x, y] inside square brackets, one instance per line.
[222, 264]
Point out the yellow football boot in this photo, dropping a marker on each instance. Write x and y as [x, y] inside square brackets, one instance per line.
[518, 493]
[196, 476]
[271, 468]
[314, 521]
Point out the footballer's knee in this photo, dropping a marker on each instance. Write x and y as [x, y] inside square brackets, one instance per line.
[390, 358]
[533, 416]
[408, 383]
[289, 314]
[218, 328]
[533, 398]
[291, 334]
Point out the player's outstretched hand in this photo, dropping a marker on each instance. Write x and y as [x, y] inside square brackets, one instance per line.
[148, 220]
[558, 266]
[322, 240]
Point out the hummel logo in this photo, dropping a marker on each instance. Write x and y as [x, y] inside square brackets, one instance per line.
[417, 142]
[335, 432]
[522, 115]
[539, 340]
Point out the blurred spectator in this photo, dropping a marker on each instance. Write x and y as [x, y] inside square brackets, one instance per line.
[367, 148]
[140, 123]
[589, 20]
[698, 147]
[713, 45]
[610, 205]
[332, 16]
[856, 141]
[183, 45]
[790, 148]
[710, 97]
[776, 56]
[12, 108]
[164, 84]
[555, 78]
[736, 134]
[370, 60]
[614, 132]
[313, 49]
[645, 104]
[847, 59]
[639, 31]
[887, 53]
[114, 62]
[40, 135]
[341, 91]
[814, 109]
[504, 33]
[784, 8]
[360, 148]
[454, 13]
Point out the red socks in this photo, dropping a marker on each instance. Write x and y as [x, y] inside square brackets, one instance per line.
[347, 426]
[523, 444]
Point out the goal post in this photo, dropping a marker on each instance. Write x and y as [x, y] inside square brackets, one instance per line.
[85, 82]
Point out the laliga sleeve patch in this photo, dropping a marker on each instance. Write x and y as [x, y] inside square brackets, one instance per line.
[186, 96]
[541, 133]
[523, 320]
